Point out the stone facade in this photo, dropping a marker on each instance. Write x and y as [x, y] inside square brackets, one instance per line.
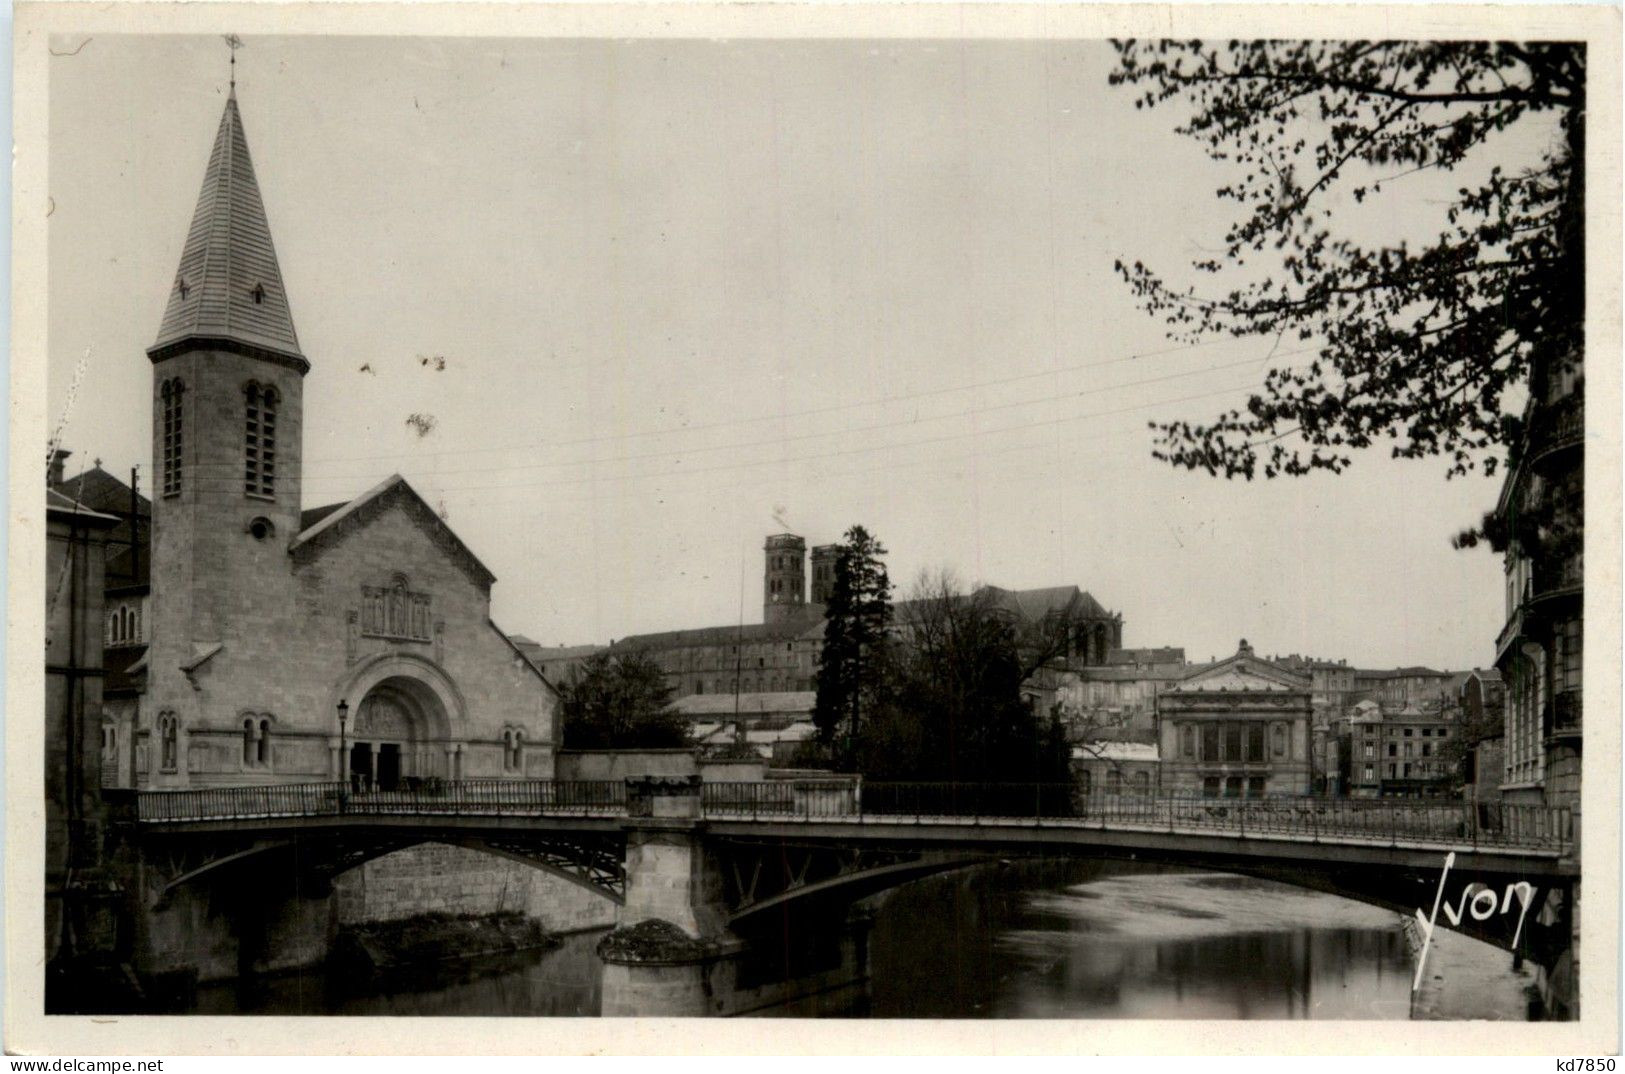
[437, 878]
[263, 616]
[1237, 728]
[74, 820]
[1539, 526]
[1403, 754]
[781, 654]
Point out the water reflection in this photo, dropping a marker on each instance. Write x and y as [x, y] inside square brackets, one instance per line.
[564, 981]
[1024, 940]
[1105, 943]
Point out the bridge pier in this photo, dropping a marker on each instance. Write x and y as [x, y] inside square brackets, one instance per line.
[671, 930]
[244, 922]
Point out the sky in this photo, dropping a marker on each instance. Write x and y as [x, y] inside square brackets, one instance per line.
[689, 294]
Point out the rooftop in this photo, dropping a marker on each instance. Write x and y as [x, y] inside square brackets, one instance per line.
[228, 286]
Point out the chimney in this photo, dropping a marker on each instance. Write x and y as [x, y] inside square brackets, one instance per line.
[53, 475]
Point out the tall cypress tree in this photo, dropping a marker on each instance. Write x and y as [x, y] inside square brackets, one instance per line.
[855, 622]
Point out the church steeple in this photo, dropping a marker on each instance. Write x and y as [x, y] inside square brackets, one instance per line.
[228, 293]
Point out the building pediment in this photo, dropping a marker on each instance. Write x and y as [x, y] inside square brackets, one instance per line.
[1242, 673]
[394, 494]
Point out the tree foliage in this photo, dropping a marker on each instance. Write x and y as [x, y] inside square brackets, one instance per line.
[1416, 343]
[856, 619]
[954, 705]
[620, 701]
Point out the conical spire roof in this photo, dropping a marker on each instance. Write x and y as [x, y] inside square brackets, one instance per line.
[228, 289]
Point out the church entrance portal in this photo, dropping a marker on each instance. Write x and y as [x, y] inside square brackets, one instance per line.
[399, 736]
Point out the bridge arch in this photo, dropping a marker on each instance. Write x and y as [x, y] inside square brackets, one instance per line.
[593, 864]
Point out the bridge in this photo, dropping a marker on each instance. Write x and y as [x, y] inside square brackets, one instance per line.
[724, 862]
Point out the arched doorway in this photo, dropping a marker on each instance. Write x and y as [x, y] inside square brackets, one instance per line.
[408, 721]
[400, 736]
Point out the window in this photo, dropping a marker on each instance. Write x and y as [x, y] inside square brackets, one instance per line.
[1369, 752]
[1255, 787]
[1232, 787]
[513, 749]
[1210, 787]
[1114, 782]
[1232, 741]
[1393, 749]
[1369, 774]
[250, 747]
[168, 741]
[1566, 656]
[259, 440]
[1427, 749]
[1210, 742]
[264, 755]
[123, 626]
[1142, 783]
[1255, 742]
[1085, 782]
[172, 395]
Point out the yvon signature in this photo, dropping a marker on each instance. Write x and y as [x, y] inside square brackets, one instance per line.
[1479, 900]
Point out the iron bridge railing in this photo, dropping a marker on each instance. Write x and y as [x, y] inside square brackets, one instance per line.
[1479, 824]
[1460, 823]
[464, 797]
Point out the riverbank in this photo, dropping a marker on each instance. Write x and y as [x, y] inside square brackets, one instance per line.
[1465, 979]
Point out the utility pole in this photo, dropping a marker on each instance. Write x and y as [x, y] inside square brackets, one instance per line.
[739, 658]
[135, 526]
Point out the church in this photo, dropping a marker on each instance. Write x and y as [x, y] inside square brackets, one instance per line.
[285, 644]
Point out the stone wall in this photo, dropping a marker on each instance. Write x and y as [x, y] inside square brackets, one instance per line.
[621, 764]
[438, 878]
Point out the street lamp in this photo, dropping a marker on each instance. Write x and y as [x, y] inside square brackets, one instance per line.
[344, 757]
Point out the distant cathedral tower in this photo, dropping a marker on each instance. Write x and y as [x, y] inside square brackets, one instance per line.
[823, 572]
[227, 394]
[784, 594]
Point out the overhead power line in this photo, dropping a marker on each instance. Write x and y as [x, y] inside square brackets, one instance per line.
[787, 415]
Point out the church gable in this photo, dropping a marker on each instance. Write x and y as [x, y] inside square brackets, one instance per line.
[394, 494]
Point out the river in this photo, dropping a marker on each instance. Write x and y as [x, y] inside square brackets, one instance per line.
[1023, 940]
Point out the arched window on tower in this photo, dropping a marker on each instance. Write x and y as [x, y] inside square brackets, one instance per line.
[518, 751]
[172, 394]
[259, 440]
[263, 754]
[250, 751]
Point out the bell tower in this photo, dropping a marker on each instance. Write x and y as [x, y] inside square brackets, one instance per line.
[784, 594]
[227, 423]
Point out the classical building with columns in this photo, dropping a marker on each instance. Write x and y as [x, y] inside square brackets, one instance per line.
[267, 619]
[1236, 728]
